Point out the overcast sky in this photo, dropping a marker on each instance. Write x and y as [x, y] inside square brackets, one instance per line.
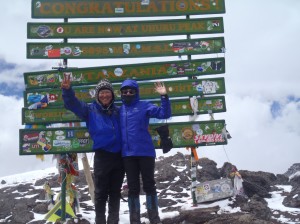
[262, 85]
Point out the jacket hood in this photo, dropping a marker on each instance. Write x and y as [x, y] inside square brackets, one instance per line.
[132, 84]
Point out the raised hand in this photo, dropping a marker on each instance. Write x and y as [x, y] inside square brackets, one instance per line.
[160, 88]
[65, 84]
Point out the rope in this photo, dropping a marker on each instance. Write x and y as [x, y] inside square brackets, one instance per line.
[262, 188]
[123, 199]
[226, 154]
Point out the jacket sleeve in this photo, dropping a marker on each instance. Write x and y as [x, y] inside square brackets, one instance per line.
[73, 104]
[162, 112]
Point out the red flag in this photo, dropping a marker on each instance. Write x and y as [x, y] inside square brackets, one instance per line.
[54, 53]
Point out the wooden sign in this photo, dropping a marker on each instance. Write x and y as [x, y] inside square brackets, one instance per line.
[123, 8]
[77, 139]
[125, 29]
[118, 73]
[194, 87]
[179, 107]
[126, 49]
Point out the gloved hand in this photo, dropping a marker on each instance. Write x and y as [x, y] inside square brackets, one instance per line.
[165, 140]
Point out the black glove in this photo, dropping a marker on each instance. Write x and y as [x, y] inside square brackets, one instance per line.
[165, 140]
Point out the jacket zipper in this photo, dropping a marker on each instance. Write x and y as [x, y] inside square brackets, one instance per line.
[113, 127]
[126, 121]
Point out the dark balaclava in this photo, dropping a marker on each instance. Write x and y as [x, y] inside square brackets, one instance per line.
[128, 99]
[104, 84]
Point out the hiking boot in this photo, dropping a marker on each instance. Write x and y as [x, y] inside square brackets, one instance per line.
[134, 210]
[152, 209]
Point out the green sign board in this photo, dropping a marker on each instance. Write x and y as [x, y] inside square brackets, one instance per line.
[125, 29]
[126, 49]
[77, 139]
[179, 107]
[192, 87]
[118, 73]
[123, 8]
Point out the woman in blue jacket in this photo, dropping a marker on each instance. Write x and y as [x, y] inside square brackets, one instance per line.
[137, 148]
[103, 122]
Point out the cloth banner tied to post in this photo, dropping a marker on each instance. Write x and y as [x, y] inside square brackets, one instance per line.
[194, 106]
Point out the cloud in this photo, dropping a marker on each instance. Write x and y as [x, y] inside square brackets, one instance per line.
[10, 120]
[259, 141]
[11, 73]
[278, 107]
[6, 66]
[289, 117]
[262, 48]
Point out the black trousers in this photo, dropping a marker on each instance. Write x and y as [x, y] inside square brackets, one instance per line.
[109, 174]
[136, 165]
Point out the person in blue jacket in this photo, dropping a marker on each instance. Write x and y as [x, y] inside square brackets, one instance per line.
[103, 122]
[137, 148]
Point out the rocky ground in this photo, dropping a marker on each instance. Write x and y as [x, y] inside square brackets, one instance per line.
[18, 202]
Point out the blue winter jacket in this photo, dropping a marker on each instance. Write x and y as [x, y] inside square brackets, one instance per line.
[103, 128]
[136, 139]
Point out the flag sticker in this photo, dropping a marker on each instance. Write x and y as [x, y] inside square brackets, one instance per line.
[54, 53]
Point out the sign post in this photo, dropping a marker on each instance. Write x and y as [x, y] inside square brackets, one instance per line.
[189, 95]
[51, 50]
[125, 29]
[123, 8]
[118, 73]
[77, 139]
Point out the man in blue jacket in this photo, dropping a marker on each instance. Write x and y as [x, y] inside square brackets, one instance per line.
[103, 123]
[137, 148]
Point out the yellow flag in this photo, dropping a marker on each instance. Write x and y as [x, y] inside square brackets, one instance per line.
[55, 213]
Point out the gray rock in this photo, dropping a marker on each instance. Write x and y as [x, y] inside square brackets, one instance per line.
[172, 185]
[293, 198]
[292, 170]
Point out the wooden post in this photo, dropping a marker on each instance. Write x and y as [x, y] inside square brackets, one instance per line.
[63, 187]
[88, 176]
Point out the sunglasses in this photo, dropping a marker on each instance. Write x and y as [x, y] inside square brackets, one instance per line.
[128, 91]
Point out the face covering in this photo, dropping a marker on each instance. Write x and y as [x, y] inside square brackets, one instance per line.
[128, 99]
